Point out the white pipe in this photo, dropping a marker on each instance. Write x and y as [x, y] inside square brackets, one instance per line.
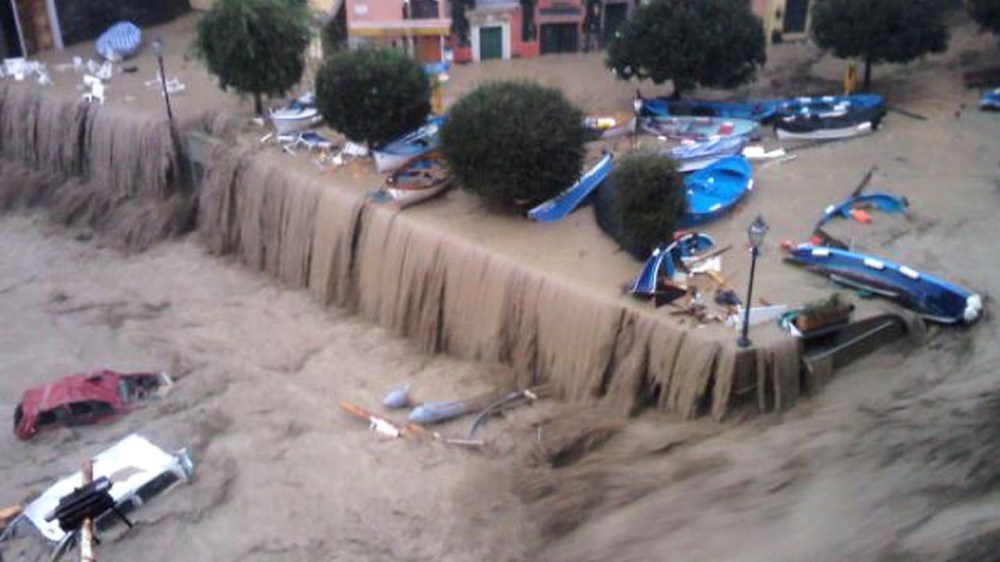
[17, 24]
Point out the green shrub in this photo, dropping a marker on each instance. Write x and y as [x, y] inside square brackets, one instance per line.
[986, 12]
[649, 198]
[255, 47]
[712, 43]
[514, 143]
[373, 95]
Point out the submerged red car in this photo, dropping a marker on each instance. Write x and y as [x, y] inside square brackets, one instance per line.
[84, 399]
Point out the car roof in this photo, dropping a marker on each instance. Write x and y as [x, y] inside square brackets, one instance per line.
[98, 386]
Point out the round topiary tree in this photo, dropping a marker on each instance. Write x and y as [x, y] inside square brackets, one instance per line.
[649, 198]
[373, 95]
[711, 43]
[255, 47]
[883, 31]
[514, 143]
[986, 13]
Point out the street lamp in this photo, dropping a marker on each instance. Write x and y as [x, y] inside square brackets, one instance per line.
[756, 232]
[158, 51]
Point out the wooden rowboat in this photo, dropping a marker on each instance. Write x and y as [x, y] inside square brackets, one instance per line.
[419, 179]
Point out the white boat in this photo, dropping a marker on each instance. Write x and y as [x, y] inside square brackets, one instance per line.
[420, 179]
[398, 152]
[300, 114]
[849, 131]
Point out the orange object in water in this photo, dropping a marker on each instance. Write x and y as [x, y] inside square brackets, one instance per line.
[816, 240]
[861, 215]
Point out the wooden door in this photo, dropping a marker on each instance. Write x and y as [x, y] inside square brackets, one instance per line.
[35, 26]
[490, 42]
[796, 16]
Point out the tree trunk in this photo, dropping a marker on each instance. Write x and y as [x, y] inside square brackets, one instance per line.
[678, 88]
[868, 74]
[258, 105]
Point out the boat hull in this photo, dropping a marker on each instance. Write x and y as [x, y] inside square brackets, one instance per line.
[935, 299]
[845, 132]
[714, 191]
[414, 144]
[567, 201]
[697, 128]
[418, 180]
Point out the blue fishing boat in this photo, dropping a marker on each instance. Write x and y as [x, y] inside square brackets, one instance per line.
[697, 128]
[697, 155]
[713, 191]
[933, 298]
[564, 203]
[825, 104]
[990, 100]
[394, 154]
[120, 41]
[754, 110]
[885, 202]
[685, 246]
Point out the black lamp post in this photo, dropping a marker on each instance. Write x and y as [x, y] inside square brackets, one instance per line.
[756, 232]
[158, 51]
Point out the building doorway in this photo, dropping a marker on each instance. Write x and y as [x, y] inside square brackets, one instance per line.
[796, 16]
[560, 38]
[491, 42]
[614, 16]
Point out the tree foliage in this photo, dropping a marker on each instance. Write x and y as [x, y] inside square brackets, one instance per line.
[711, 43]
[255, 47]
[373, 95]
[986, 13]
[878, 31]
[649, 199]
[514, 143]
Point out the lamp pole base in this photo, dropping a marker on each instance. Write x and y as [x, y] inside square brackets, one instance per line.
[744, 342]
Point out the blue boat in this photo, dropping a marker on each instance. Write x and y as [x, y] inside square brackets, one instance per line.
[415, 143]
[934, 299]
[825, 104]
[990, 100]
[713, 191]
[120, 41]
[687, 245]
[697, 128]
[754, 110]
[885, 202]
[695, 156]
[567, 201]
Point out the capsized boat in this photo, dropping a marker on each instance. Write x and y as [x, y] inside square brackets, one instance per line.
[990, 100]
[885, 202]
[697, 128]
[419, 179]
[827, 104]
[713, 191]
[699, 154]
[394, 154]
[121, 41]
[567, 201]
[687, 245]
[300, 113]
[935, 299]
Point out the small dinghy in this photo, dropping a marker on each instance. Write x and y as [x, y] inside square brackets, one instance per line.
[418, 180]
[885, 202]
[687, 245]
[990, 100]
[837, 125]
[713, 191]
[697, 155]
[697, 128]
[300, 114]
[121, 41]
[415, 143]
[567, 201]
[935, 300]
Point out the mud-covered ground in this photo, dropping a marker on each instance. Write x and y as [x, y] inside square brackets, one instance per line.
[898, 459]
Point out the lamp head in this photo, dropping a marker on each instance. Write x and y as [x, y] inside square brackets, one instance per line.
[756, 232]
[158, 47]
[637, 103]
